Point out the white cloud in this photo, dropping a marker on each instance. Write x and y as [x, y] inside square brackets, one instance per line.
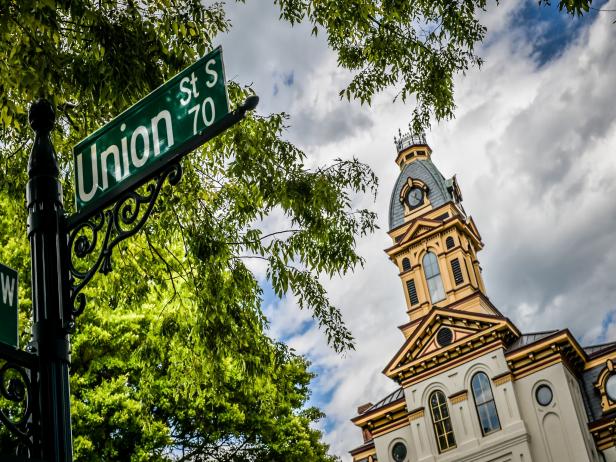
[533, 147]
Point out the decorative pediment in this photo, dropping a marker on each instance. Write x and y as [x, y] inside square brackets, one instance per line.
[445, 334]
[473, 227]
[420, 227]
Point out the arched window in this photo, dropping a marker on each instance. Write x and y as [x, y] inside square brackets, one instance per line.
[406, 264]
[442, 422]
[484, 402]
[433, 278]
[449, 242]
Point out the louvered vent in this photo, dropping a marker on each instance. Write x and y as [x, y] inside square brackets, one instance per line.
[410, 287]
[449, 242]
[444, 336]
[406, 264]
[457, 271]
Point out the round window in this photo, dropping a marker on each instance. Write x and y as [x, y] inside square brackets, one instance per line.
[444, 336]
[610, 387]
[398, 452]
[544, 395]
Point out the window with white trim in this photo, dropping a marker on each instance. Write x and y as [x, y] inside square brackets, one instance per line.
[433, 277]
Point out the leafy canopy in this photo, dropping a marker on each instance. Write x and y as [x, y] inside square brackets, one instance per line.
[171, 359]
[415, 47]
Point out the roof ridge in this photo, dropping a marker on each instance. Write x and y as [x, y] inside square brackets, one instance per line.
[542, 332]
[600, 344]
[383, 401]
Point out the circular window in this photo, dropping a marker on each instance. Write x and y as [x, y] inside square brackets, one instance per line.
[544, 395]
[610, 387]
[444, 336]
[398, 452]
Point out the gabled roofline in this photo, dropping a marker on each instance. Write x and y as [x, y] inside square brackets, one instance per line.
[460, 302]
[406, 224]
[549, 339]
[455, 221]
[564, 335]
[445, 312]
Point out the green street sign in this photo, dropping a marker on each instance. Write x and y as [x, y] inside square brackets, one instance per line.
[8, 306]
[172, 120]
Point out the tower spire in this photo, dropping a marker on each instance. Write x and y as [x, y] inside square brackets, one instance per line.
[411, 146]
[409, 139]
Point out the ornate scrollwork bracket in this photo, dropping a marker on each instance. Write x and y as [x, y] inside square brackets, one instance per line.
[18, 400]
[91, 241]
[92, 238]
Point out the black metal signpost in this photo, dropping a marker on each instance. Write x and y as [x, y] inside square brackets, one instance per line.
[36, 383]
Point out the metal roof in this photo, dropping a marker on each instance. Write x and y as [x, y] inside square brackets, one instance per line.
[527, 339]
[596, 349]
[421, 169]
[395, 396]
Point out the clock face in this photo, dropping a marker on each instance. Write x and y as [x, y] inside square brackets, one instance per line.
[414, 197]
[610, 387]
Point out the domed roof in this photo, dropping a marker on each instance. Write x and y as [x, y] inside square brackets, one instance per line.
[439, 189]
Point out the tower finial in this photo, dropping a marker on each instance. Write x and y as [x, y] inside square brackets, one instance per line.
[409, 139]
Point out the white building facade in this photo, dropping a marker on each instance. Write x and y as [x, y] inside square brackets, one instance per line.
[471, 386]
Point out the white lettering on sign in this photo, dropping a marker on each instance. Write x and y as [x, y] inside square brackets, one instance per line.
[143, 132]
[8, 289]
[166, 115]
[188, 92]
[206, 120]
[114, 166]
[184, 89]
[211, 72]
[83, 195]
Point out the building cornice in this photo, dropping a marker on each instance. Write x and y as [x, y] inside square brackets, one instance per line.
[603, 432]
[488, 329]
[364, 453]
[391, 408]
[406, 239]
[558, 347]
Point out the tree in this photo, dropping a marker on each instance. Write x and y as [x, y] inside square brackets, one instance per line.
[171, 359]
[416, 47]
[175, 361]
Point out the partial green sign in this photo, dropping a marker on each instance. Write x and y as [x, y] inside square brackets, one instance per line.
[8, 306]
[154, 130]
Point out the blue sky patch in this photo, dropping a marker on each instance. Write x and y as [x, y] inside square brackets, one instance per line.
[608, 320]
[550, 30]
[288, 79]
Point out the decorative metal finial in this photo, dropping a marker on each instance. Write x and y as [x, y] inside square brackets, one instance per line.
[43, 155]
[409, 139]
[41, 116]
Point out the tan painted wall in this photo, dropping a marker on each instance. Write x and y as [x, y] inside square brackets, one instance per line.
[508, 444]
[559, 430]
[610, 454]
[383, 444]
[529, 432]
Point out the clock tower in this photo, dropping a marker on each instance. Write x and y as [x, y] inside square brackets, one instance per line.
[470, 385]
[434, 241]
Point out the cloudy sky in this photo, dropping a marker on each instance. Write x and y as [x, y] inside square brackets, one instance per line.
[534, 148]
